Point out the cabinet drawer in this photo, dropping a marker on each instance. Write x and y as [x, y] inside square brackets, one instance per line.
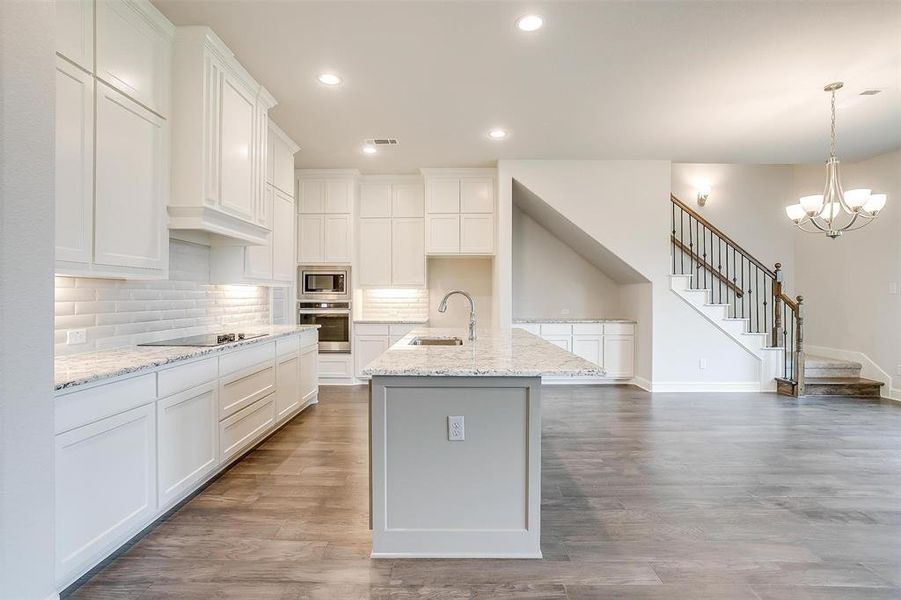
[243, 388]
[86, 406]
[183, 377]
[287, 345]
[371, 329]
[309, 338]
[241, 359]
[588, 328]
[334, 365]
[556, 329]
[620, 328]
[239, 431]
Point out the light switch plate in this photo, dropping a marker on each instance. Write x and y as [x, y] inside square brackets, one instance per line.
[455, 429]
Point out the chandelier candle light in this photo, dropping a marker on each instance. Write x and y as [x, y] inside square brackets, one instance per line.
[835, 211]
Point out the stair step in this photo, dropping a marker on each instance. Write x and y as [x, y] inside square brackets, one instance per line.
[854, 387]
[820, 366]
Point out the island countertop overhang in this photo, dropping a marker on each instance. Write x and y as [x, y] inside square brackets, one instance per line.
[514, 353]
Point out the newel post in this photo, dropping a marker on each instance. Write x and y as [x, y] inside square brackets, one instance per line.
[777, 305]
[799, 348]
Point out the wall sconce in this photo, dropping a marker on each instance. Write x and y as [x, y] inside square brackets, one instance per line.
[703, 193]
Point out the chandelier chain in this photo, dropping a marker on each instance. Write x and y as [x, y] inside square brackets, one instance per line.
[832, 129]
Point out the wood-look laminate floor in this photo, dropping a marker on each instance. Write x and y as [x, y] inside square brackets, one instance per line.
[663, 496]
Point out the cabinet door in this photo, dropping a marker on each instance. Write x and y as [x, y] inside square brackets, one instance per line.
[287, 390]
[338, 238]
[589, 347]
[236, 146]
[284, 167]
[564, 341]
[477, 196]
[338, 196]
[271, 157]
[310, 238]
[239, 431]
[283, 261]
[311, 196]
[443, 196]
[188, 426]
[260, 150]
[442, 234]
[74, 161]
[619, 355]
[367, 348]
[477, 234]
[375, 200]
[105, 487]
[407, 200]
[375, 253]
[258, 259]
[75, 31]
[132, 184]
[133, 53]
[408, 252]
[309, 372]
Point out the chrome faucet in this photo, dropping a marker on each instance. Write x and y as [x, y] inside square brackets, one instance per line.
[472, 311]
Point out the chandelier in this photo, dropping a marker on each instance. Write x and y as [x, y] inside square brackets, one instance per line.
[835, 211]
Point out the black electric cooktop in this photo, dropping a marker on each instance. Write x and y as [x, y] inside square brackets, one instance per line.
[214, 339]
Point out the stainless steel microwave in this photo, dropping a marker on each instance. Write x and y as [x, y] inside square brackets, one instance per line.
[323, 283]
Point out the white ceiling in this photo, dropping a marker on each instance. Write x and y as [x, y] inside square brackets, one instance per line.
[690, 82]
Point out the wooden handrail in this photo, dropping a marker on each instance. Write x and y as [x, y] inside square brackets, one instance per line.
[722, 236]
[709, 267]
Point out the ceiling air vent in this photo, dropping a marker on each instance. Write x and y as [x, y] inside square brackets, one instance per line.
[870, 92]
[382, 142]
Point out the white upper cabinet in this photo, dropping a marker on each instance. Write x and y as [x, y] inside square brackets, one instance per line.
[325, 223]
[281, 159]
[283, 263]
[220, 143]
[131, 184]
[112, 139]
[134, 43]
[75, 31]
[74, 162]
[391, 232]
[460, 211]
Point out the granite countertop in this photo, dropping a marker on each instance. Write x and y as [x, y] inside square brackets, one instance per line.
[561, 320]
[78, 369]
[516, 353]
[393, 321]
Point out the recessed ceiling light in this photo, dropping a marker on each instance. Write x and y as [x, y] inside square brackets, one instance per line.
[329, 79]
[497, 134]
[529, 22]
[369, 149]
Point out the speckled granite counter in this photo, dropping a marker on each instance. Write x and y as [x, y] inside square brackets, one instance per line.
[393, 321]
[494, 354]
[516, 321]
[78, 369]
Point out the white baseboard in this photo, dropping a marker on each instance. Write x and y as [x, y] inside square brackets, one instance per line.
[643, 383]
[869, 369]
[705, 386]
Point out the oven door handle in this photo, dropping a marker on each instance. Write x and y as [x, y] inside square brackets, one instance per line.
[323, 312]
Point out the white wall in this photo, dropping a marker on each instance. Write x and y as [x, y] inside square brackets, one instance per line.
[747, 203]
[596, 195]
[473, 275]
[551, 280]
[846, 282]
[118, 312]
[26, 300]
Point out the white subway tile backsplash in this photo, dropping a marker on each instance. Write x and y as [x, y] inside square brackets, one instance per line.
[119, 312]
[394, 303]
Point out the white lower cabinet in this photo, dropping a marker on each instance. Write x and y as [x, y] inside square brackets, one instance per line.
[563, 341]
[619, 355]
[608, 345]
[105, 487]
[129, 450]
[589, 347]
[188, 424]
[287, 388]
[371, 340]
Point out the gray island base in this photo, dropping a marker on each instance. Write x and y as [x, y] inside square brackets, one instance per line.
[434, 495]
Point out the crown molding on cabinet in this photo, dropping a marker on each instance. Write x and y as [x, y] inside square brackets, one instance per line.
[455, 172]
[329, 173]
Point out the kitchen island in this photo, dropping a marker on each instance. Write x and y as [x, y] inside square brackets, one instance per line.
[455, 443]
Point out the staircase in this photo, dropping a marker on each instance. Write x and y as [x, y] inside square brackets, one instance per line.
[745, 299]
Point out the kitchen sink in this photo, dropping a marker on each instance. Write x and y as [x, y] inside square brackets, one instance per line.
[436, 341]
